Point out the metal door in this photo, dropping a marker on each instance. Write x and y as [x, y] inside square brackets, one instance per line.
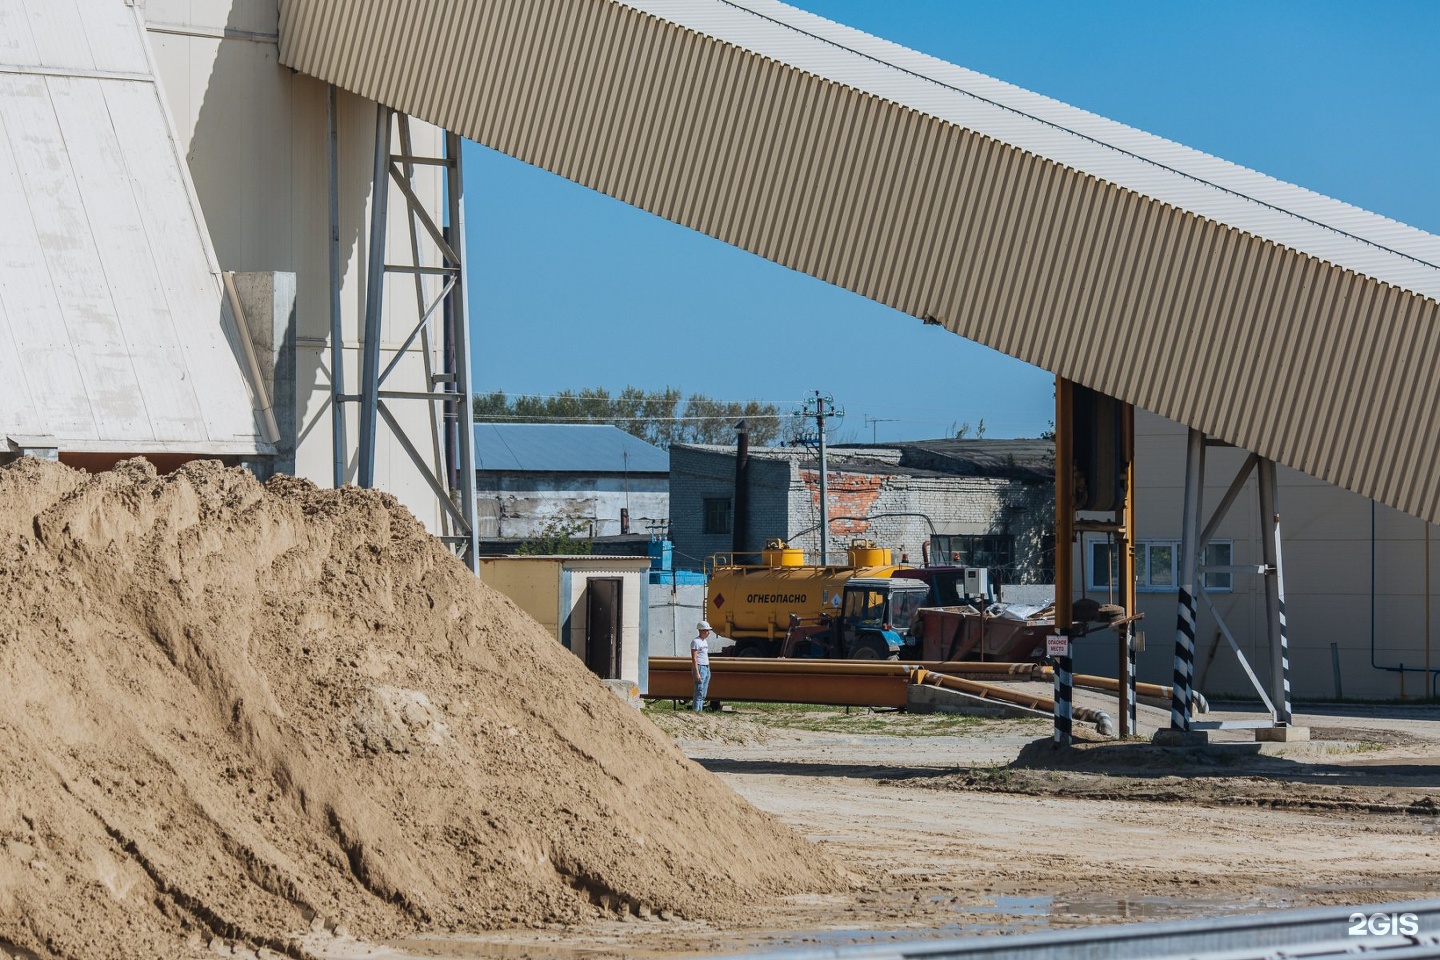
[602, 626]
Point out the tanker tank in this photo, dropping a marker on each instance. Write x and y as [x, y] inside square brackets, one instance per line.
[752, 604]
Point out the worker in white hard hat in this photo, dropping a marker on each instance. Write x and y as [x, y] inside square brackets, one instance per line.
[700, 662]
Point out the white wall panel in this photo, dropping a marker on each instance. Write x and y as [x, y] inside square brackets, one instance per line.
[108, 292]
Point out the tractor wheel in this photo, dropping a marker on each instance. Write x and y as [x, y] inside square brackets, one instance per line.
[750, 650]
[870, 648]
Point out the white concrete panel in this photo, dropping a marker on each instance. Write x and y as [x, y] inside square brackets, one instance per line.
[70, 259]
[28, 300]
[17, 402]
[127, 262]
[109, 295]
[109, 31]
[17, 44]
[184, 262]
[55, 26]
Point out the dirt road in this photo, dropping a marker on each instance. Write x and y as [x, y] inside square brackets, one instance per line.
[983, 828]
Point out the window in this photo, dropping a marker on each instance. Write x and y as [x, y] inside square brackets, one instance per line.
[717, 514]
[1157, 566]
[1217, 554]
[975, 550]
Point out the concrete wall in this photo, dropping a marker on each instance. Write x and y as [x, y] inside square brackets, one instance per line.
[675, 608]
[1329, 538]
[785, 504]
[255, 139]
[518, 505]
[902, 504]
[698, 474]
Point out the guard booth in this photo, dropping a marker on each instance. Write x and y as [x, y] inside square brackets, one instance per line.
[597, 607]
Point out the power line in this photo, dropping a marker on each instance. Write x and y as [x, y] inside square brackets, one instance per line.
[537, 418]
[613, 398]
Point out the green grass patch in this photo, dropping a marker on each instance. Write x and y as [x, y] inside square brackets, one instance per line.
[856, 720]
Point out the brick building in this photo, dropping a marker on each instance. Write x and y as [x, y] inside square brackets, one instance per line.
[974, 502]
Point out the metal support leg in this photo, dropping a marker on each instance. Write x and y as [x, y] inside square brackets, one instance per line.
[1274, 595]
[449, 470]
[460, 321]
[337, 330]
[1189, 565]
[374, 298]
[1064, 505]
[1124, 549]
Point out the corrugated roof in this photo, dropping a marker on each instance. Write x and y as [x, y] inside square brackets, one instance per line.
[564, 448]
[112, 326]
[1296, 326]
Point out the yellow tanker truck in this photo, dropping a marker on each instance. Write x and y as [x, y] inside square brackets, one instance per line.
[752, 603]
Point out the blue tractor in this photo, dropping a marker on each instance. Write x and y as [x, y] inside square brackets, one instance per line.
[872, 623]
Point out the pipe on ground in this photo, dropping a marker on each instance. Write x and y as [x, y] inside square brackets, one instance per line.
[1109, 684]
[989, 691]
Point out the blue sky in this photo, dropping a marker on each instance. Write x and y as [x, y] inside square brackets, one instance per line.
[572, 289]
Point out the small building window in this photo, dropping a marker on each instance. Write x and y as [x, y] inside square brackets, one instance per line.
[717, 514]
[1157, 566]
[996, 551]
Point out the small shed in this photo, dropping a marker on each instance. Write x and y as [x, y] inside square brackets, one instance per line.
[596, 607]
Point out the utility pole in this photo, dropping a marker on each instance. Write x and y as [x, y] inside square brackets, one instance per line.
[872, 421]
[818, 408]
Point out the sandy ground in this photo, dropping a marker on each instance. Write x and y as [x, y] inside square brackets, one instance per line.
[986, 829]
[235, 714]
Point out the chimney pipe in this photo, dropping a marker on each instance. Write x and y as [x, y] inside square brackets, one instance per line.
[740, 524]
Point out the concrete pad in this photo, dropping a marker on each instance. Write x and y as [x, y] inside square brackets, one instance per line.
[1282, 734]
[626, 691]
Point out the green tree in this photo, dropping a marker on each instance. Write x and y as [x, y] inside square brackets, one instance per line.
[558, 535]
[662, 417]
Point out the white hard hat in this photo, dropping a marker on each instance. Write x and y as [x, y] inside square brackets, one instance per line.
[703, 625]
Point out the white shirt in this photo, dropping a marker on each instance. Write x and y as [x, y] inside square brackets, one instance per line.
[700, 646]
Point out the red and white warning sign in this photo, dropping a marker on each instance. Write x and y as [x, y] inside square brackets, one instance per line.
[1057, 645]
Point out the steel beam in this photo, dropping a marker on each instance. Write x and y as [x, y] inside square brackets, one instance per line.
[1064, 505]
[449, 469]
[374, 298]
[1125, 567]
[1239, 655]
[339, 447]
[459, 312]
[1236, 485]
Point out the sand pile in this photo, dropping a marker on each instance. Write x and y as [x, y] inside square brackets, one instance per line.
[238, 710]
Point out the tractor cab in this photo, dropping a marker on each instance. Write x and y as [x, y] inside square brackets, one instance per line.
[872, 623]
